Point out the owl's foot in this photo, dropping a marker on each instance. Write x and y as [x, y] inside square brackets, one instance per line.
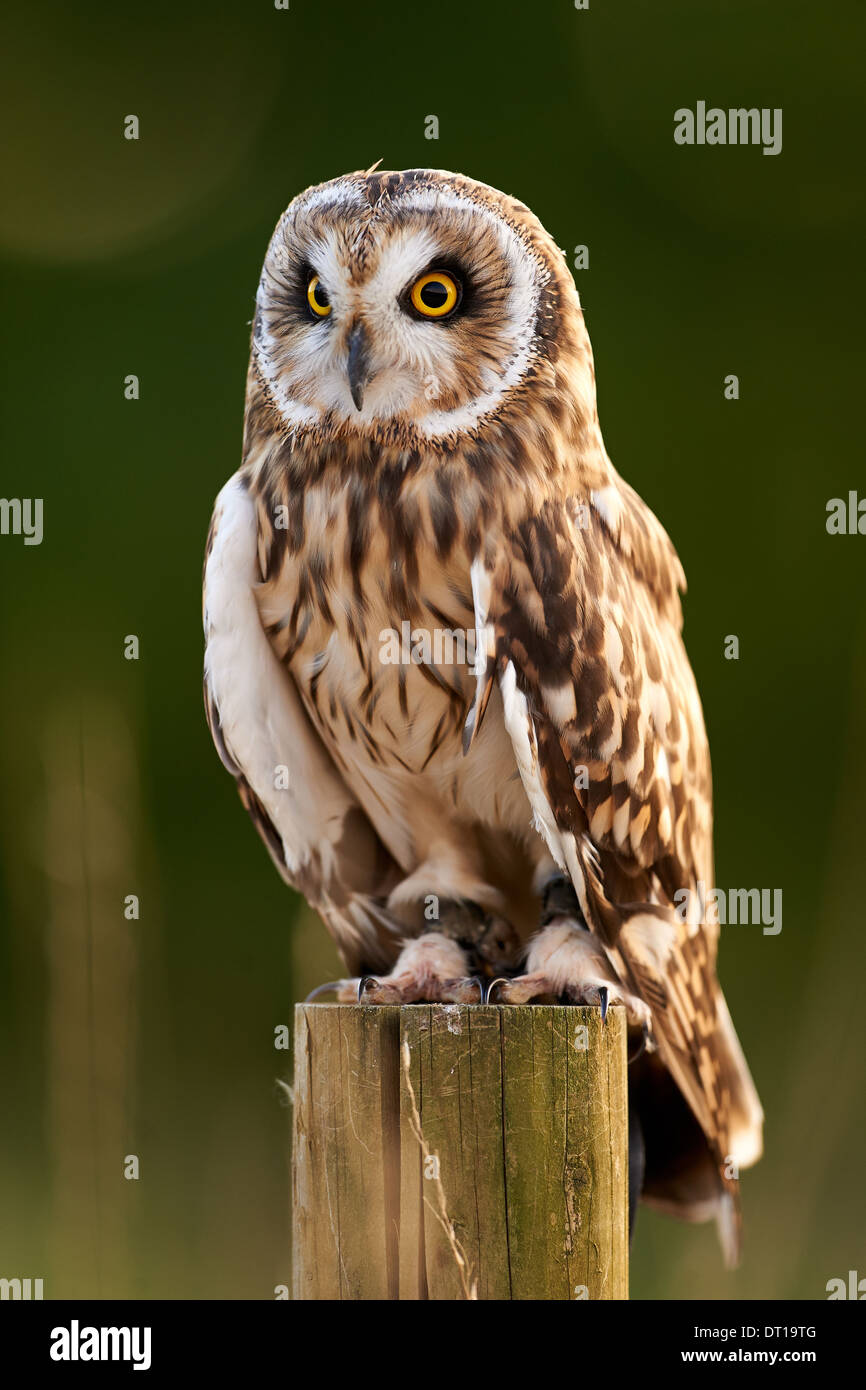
[430, 969]
[565, 962]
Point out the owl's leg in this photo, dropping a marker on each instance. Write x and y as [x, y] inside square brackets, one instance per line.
[431, 968]
[566, 962]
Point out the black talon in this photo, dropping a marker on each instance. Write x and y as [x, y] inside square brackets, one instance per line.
[603, 997]
[477, 980]
[366, 982]
[642, 1045]
[323, 989]
[487, 990]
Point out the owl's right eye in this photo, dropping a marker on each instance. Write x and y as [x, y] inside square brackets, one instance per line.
[317, 298]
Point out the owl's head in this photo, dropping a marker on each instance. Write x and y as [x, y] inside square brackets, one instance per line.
[411, 307]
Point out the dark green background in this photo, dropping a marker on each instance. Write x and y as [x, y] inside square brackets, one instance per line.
[156, 1037]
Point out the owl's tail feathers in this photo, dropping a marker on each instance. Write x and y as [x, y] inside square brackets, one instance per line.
[745, 1130]
[746, 1118]
[683, 1179]
[729, 1225]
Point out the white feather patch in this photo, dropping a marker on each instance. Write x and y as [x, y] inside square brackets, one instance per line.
[518, 722]
[263, 723]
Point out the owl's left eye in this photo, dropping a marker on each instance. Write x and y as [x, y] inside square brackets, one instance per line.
[317, 298]
[435, 294]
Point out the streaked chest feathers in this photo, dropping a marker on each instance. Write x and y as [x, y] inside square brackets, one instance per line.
[375, 624]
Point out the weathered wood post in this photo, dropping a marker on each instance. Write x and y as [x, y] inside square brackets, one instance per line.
[453, 1151]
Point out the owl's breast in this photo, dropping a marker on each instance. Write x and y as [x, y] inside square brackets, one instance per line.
[379, 639]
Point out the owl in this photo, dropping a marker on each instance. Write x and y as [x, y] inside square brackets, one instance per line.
[444, 660]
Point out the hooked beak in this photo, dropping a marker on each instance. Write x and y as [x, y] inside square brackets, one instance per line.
[357, 368]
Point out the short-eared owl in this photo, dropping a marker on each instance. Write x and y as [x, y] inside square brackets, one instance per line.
[443, 651]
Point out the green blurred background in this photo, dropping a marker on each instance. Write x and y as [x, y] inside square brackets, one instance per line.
[155, 1037]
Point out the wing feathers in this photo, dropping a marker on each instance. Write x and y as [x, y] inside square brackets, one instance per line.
[314, 828]
[582, 624]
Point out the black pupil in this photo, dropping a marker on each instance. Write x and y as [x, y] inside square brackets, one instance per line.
[320, 294]
[434, 294]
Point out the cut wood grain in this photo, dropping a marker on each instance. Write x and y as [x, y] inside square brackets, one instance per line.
[460, 1152]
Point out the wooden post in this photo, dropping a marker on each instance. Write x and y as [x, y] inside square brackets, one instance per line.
[449, 1151]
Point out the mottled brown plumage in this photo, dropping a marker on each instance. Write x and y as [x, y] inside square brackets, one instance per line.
[469, 490]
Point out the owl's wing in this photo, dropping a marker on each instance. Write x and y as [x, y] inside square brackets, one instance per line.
[317, 834]
[579, 618]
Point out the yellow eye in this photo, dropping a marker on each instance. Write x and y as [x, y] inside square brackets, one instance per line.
[317, 298]
[435, 294]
